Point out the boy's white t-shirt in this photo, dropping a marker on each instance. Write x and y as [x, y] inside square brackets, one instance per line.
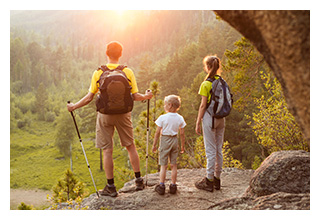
[170, 123]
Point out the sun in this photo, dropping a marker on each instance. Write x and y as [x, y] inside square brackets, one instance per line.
[120, 12]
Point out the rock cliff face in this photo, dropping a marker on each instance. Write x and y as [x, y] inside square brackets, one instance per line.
[283, 38]
[281, 182]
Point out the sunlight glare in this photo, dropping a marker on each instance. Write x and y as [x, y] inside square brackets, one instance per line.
[119, 12]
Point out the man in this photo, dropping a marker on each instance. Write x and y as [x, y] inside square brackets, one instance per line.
[106, 123]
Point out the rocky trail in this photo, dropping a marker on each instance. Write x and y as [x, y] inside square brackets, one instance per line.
[37, 198]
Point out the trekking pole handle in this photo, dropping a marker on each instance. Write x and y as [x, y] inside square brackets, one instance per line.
[75, 123]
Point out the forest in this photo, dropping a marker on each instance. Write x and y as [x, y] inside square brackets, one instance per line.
[54, 53]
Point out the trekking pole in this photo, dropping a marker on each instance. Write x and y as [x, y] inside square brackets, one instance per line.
[84, 153]
[147, 150]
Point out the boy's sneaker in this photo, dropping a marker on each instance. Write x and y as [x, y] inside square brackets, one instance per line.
[205, 184]
[139, 184]
[173, 188]
[109, 191]
[160, 189]
[216, 183]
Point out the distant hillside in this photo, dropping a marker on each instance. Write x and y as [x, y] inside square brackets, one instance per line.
[138, 31]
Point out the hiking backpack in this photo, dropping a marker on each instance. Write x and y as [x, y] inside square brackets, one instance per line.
[221, 101]
[115, 92]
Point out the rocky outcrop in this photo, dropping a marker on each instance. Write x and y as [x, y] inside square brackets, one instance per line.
[282, 182]
[188, 197]
[283, 38]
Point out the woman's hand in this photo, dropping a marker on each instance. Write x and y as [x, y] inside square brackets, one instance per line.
[198, 128]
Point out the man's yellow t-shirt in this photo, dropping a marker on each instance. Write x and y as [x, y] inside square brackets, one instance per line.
[129, 73]
[205, 88]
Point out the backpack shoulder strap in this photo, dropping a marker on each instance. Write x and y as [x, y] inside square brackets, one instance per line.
[103, 68]
[210, 79]
[121, 67]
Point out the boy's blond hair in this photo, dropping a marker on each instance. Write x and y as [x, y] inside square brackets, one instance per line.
[174, 100]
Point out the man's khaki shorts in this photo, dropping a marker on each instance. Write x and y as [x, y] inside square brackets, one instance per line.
[168, 149]
[105, 130]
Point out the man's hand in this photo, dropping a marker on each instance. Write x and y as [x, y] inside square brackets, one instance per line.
[70, 107]
[148, 94]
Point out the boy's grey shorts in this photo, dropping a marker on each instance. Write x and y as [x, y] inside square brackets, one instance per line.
[168, 149]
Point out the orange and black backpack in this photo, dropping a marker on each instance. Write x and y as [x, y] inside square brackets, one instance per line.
[114, 91]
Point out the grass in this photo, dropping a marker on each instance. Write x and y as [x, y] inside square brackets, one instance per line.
[35, 163]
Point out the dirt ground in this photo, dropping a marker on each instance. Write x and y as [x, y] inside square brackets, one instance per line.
[37, 198]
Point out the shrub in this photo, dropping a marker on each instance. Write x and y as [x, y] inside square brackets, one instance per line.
[256, 163]
[50, 116]
[23, 206]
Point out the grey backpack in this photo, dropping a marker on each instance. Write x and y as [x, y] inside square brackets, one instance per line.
[221, 99]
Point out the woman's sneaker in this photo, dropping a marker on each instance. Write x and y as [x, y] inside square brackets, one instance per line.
[205, 184]
[173, 188]
[160, 189]
[216, 183]
[109, 191]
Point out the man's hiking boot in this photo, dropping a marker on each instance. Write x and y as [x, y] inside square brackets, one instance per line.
[108, 191]
[160, 189]
[139, 184]
[216, 183]
[205, 184]
[173, 189]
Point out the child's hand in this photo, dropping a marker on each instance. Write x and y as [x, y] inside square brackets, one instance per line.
[182, 150]
[154, 149]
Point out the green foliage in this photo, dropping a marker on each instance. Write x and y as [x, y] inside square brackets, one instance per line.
[68, 187]
[68, 190]
[228, 160]
[274, 126]
[256, 163]
[50, 116]
[200, 152]
[23, 206]
[241, 71]
[41, 101]
[65, 133]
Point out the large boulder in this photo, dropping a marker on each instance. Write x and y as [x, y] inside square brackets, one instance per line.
[282, 171]
[283, 38]
[282, 182]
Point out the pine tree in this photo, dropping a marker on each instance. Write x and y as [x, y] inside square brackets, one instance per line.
[274, 126]
[65, 133]
[41, 101]
[68, 187]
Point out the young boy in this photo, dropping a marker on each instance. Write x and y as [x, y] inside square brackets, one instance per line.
[169, 125]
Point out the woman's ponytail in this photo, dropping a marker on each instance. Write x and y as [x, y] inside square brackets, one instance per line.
[211, 65]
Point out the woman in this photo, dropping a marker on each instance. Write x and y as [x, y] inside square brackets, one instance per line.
[213, 137]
